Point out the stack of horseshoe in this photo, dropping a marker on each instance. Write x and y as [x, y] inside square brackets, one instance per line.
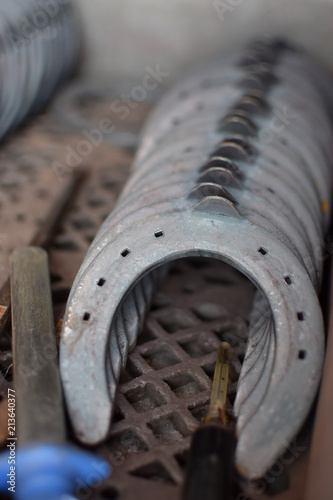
[40, 47]
[236, 164]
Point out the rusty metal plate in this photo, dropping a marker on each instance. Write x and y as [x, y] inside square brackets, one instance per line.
[28, 193]
[165, 390]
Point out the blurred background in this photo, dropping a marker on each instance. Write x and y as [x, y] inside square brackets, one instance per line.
[123, 36]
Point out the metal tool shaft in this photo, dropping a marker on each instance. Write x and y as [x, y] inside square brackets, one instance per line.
[40, 414]
[218, 399]
[210, 473]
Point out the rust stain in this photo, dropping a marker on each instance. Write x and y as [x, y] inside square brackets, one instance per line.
[3, 309]
[324, 206]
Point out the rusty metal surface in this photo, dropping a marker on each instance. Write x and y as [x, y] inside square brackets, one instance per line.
[28, 193]
[319, 480]
[164, 391]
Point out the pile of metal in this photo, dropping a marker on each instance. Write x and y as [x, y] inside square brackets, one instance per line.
[40, 47]
[234, 164]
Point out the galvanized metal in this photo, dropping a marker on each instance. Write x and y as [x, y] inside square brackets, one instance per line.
[40, 48]
[235, 166]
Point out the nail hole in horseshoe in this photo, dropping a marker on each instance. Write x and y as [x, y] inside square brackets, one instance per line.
[300, 316]
[125, 252]
[301, 354]
[288, 280]
[262, 251]
[86, 316]
[101, 282]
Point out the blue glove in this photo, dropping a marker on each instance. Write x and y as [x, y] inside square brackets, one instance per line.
[50, 471]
